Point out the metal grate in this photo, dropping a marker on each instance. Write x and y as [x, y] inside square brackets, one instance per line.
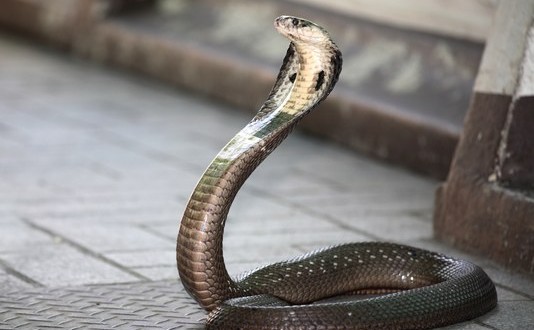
[152, 305]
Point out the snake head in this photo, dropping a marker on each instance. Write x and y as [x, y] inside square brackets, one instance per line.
[299, 31]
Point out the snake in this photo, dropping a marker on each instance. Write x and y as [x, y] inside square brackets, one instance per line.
[362, 285]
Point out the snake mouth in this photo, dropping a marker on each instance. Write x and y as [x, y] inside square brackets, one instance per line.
[281, 26]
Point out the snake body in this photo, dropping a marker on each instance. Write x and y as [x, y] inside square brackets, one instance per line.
[424, 289]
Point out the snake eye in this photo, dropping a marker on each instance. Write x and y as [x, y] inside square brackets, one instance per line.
[295, 22]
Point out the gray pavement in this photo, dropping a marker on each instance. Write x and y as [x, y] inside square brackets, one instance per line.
[95, 170]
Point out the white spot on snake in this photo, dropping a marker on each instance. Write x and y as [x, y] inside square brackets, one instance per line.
[372, 256]
[349, 314]
[243, 140]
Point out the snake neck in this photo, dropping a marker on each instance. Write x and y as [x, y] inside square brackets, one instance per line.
[199, 248]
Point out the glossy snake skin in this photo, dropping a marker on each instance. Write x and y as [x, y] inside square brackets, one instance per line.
[424, 289]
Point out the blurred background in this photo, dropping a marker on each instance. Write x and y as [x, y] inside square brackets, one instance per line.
[399, 58]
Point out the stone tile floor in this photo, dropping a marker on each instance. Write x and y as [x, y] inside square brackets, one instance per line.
[96, 167]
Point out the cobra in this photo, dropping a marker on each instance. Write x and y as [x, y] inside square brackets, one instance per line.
[424, 289]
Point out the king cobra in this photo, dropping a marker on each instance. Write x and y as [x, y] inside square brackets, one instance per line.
[411, 288]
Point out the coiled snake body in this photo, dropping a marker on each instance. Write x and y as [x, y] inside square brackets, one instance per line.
[425, 289]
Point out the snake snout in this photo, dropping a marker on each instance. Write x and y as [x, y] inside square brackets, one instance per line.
[302, 31]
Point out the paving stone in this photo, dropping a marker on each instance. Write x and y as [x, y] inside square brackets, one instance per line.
[293, 238]
[145, 258]
[10, 283]
[141, 217]
[507, 295]
[17, 236]
[251, 204]
[393, 227]
[160, 272]
[511, 280]
[61, 265]
[106, 237]
[95, 205]
[77, 211]
[511, 315]
[340, 205]
[353, 173]
[281, 181]
[296, 221]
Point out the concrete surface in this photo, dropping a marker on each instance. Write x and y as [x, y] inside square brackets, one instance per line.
[96, 167]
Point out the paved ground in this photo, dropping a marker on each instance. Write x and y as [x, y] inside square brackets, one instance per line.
[96, 168]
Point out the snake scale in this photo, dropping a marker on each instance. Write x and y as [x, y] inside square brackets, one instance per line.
[420, 289]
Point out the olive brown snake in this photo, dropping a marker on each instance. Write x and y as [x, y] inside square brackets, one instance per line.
[425, 289]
